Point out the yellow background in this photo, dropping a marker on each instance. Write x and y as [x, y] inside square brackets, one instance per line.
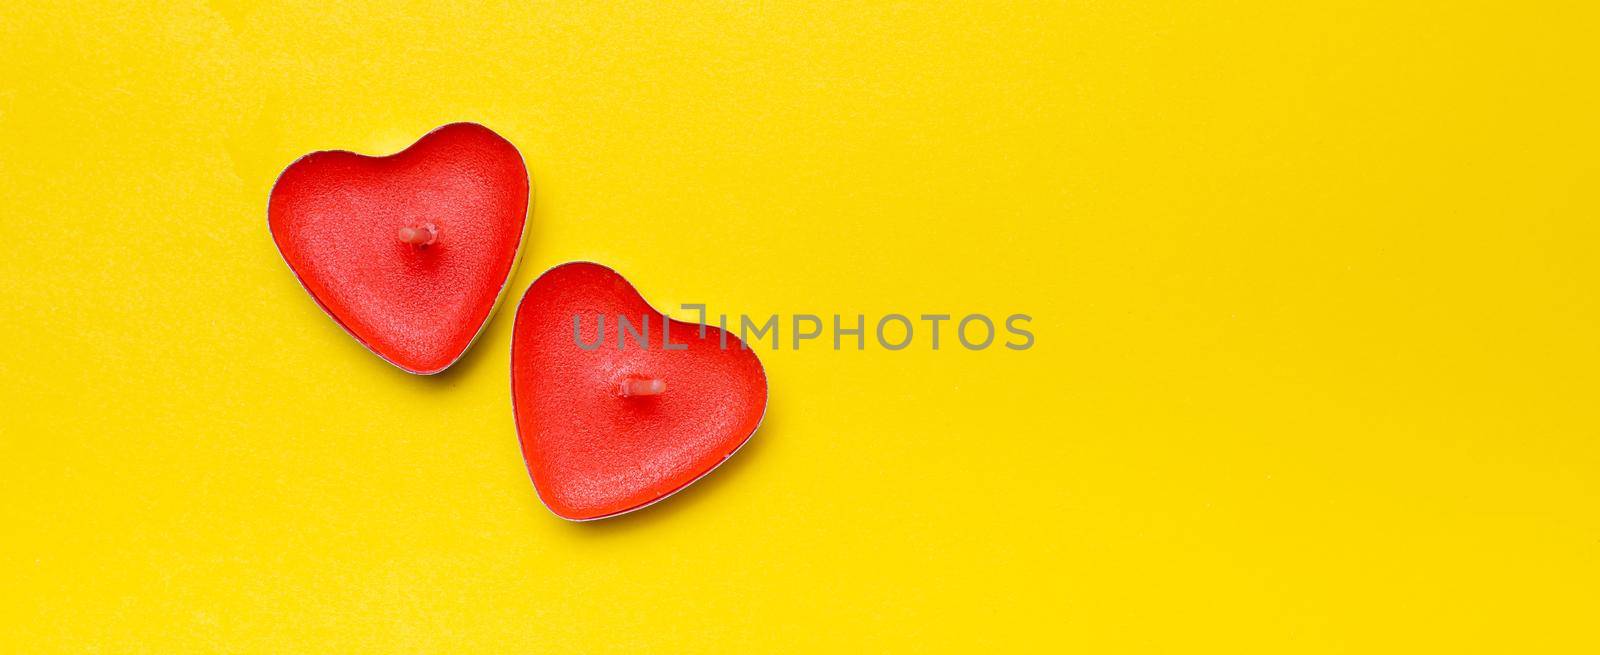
[1313, 284]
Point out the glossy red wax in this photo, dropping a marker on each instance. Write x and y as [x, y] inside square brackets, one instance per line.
[594, 452]
[337, 218]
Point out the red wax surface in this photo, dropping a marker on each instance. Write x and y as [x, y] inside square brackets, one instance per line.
[594, 452]
[337, 218]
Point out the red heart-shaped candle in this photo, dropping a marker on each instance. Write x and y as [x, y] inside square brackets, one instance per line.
[608, 429]
[409, 253]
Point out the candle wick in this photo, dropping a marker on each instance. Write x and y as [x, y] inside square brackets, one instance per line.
[632, 387]
[419, 235]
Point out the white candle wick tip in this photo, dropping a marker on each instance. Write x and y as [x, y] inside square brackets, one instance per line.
[643, 387]
[418, 235]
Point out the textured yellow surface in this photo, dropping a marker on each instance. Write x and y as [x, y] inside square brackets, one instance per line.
[1313, 283]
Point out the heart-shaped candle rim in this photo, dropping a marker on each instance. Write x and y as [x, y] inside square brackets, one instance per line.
[505, 284]
[756, 427]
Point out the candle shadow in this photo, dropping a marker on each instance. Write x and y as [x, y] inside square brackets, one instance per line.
[686, 498]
